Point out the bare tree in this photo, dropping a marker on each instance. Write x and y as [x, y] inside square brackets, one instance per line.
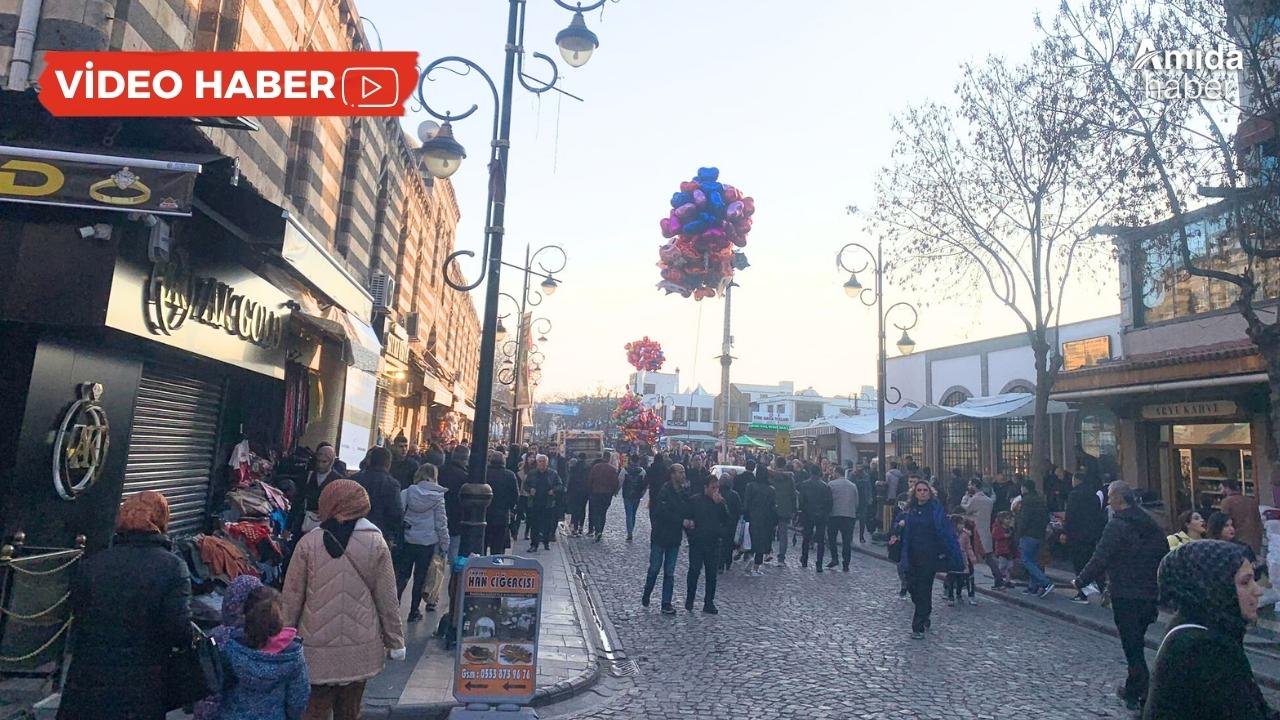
[1189, 89]
[997, 194]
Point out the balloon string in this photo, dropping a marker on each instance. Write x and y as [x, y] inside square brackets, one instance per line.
[555, 157]
[697, 341]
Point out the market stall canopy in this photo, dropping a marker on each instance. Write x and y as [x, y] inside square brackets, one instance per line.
[991, 407]
[870, 423]
[748, 441]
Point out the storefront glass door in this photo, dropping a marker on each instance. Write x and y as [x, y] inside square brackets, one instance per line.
[1204, 455]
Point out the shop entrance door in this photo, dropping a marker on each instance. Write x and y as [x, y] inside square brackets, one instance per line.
[1198, 457]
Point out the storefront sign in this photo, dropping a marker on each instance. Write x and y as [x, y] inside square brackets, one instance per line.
[1078, 354]
[174, 295]
[770, 426]
[552, 409]
[782, 443]
[1201, 409]
[80, 445]
[734, 430]
[105, 182]
[497, 659]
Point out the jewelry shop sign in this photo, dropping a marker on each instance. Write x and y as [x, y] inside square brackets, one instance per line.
[103, 182]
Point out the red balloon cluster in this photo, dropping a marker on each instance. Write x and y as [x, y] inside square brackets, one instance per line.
[707, 228]
[645, 354]
[637, 423]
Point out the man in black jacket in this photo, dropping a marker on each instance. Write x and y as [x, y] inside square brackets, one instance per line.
[452, 477]
[544, 488]
[706, 518]
[668, 513]
[784, 490]
[815, 511]
[385, 509]
[1082, 526]
[506, 492]
[1130, 551]
[697, 475]
[403, 468]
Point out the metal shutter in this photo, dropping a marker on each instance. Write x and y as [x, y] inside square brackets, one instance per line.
[171, 447]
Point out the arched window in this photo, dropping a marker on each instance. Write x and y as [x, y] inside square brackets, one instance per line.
[1019, 386]
[955, 397]
[959, 438]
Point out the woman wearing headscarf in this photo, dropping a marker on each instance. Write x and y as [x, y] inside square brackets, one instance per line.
[928, 545]
[1201, 670]
[233, 602]
[131, 605]
[340, 593]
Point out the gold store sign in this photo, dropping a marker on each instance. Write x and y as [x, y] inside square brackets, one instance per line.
[1198, 409]
[173, 295]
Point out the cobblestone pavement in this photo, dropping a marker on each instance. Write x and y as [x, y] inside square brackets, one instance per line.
[793, 644]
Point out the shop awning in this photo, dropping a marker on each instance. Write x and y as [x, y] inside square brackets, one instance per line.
[363, 350]
[465, 411]
[748, 441]
[991, 407]
[438, 389]
[163, 185]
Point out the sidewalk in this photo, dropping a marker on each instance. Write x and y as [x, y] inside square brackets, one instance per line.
[1262, 645]
[422, 686]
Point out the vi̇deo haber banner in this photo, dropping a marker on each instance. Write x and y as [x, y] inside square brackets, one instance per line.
[227, 84]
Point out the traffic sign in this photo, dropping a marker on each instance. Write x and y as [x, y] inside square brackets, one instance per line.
[497, 656]
[782, 444]
[735, 429]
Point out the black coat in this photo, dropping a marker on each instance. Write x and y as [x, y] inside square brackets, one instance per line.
[543, 487]
[1002, 495]
[1202, 674]
[452, 477]
[815, 499]
[761, 508]
[308, 498]
[579, 486]
[506, 491]
[1129, 552]
[668, 516]
[131, 604]
[385, 507]
[404, 471]
[784, 490]
[1085, 516]
[710, 518]
[697, 478]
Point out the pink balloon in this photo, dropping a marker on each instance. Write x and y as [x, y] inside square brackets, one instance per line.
[699, 198]
[670, 226]
[736, 210]
[732, 194]
[686, 211]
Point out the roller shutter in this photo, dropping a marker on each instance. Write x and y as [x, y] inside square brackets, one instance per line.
[173, 441]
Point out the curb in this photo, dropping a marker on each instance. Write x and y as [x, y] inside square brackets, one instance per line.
[1267, 681]
[544, 695]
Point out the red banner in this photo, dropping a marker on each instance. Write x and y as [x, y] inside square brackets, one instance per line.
[224, 84]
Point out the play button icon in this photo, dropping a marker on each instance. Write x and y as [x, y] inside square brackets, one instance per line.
[370, 87]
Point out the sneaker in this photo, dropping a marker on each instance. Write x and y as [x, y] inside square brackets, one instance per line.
[710, 609]
[804, 565]
[917, 635]
[832, 564]
[533, 548]
[845, 568]
[546, 546]
[688, 604]
[1045, 592]
[902, 594]
[755, 573]
[431, 607]
[644, 600]
[1133, 704]
[599, 537]
[819, 569]
[628, 537]
[1080, 599]
[668, 610]
[973, 601]
[414, 616]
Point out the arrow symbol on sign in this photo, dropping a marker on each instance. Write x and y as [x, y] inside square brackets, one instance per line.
[368, 87]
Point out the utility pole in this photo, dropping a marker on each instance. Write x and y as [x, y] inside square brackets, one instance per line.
[726, 359]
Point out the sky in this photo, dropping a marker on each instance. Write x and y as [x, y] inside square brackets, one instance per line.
[793, 102]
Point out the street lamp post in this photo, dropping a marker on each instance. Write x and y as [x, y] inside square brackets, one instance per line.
[441, 155]
[532, 298]
[514, 359]
[874, 297]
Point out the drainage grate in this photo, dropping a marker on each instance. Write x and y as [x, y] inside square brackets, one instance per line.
[624, 668]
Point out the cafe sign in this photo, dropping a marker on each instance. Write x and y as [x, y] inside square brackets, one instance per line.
[1197, 409]
[103, 182]
[174, 295]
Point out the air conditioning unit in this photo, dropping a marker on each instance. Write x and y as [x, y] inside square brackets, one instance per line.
[383, 289]
[411, 325]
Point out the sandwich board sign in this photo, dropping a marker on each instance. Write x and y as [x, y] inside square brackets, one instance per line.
[497, 660]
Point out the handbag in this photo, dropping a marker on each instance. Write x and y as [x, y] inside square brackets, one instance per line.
[194, 672]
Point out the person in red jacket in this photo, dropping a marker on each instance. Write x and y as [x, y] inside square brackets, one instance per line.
[604, 483]
[1004, 549]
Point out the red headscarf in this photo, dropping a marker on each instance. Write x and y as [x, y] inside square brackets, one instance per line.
[146, 512]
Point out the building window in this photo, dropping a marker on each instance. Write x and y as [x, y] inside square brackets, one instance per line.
[1169, 292]
[677, 414]
[706, 415]
[1097, 440]
[650, 389]
[297, 174]
[1015, 446]
[959, 446]
[909, 443]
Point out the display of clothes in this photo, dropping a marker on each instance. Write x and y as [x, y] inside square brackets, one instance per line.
[297, 404]
[247, 466]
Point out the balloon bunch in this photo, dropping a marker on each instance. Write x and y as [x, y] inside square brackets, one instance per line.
[637, 423]
[708, 224]
[645, 354]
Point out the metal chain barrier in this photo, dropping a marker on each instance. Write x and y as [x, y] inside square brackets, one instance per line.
[13, 565]
[42, 613]
[42, 648]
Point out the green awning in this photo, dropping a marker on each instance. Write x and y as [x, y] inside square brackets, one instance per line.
[748, 441]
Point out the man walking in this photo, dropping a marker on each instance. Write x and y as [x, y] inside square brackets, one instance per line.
[845, 506]
[544, 487]
[1002, 494]
[697, 474]
[866, 501]
[506, 492]
[668, 514]
[815, 511]
[634, 486]
[1082, 525]
[1033, 518]
[453, 476]
[784, 496]
[403, 468]
[1129, 553]
[706, 518]
[385, 509]
[603, 480]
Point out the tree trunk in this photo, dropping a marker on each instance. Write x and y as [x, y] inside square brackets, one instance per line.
[1040, 422]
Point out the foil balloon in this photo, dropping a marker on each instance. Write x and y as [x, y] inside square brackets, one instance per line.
[637, 423]
[706, 227]
[645, 354]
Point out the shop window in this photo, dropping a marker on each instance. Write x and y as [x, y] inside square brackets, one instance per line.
[706, 415]
[1015, 446]
[959, 446]
[909, 443]
[1097, 438]
[677, 414]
